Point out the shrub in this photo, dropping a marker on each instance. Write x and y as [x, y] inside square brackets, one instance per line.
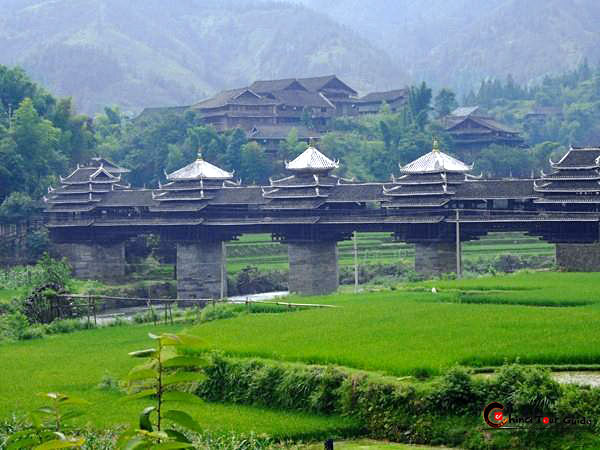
[13, 325]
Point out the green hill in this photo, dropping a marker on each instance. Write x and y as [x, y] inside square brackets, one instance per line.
[148, 52]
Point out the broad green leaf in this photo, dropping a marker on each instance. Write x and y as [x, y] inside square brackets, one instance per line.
[141, 394]
[141, 374]
[52, 395]
[183, 419]
[134, 442]
[73, 401]
[71, 415]
[58, 443]
[185, 361]
[180, 397]
[21, 443]
[183, 377]
[143, 353]
[177, 436]
[191, 341]
[153, 336]
[46, 410]
[145, 423]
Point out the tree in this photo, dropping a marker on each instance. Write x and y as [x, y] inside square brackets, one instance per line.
[255, 164]
[419, 100]
[445, 102]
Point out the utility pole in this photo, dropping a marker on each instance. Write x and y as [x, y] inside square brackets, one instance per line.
[223, 271]
[354, 239]
[458, 248]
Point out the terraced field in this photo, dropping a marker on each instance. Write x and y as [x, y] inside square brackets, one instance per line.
[258, 250]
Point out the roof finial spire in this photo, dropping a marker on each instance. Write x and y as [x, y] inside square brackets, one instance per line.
[199, 154]
[436, 145]
[311, 142]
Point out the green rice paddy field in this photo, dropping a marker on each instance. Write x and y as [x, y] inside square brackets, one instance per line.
[403, 331]
[395, 332]
[75, 364]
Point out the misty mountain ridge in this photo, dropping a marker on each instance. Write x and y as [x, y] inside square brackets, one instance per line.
[149, 53]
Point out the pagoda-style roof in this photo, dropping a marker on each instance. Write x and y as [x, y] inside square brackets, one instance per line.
[85, 187]
[199, 170]
[110, 166]
[435, 161]
[574, 179]
[579, 159]
[191, 188]
[428, 182]
[313, 161]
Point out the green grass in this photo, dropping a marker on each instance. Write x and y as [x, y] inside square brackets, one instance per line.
[371, 445]
[76, 362]
[399, 332]
[536, 289]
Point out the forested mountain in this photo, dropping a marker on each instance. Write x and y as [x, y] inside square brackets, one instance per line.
[149, 52]
[456, 43]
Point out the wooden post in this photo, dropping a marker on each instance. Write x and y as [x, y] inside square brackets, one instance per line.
[165, 306]
[89, 306]
[94, 309]
[458, 248]
[223, 271]
[354, 240]
[171, 312]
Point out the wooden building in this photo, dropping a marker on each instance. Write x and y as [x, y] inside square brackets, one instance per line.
[271, 137]
[372, 103]
[472, 131]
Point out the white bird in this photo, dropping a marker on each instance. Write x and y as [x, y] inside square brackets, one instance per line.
[433, 290]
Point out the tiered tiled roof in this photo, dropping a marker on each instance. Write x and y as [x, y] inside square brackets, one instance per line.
[191, 188]
[574, 179]
[428, 182]
[85, 187]
[309, 185]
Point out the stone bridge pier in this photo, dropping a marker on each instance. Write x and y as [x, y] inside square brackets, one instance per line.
[313, 267]
[435, 258]
[578, 257]
[94, 260]
[201, 269]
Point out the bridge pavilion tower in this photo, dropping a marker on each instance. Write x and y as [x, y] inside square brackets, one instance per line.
[91, 256]
[573, 186]
[426, 190]
[312, 249]
[201, 259]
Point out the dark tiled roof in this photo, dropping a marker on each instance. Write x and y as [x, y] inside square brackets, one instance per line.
[367, 192]
[282, 132]
[319, 83]
[499, 189]
[388, 96]
[450, 122]
[133, 197]
[234, 96]
[299, 98]
[301, 180]
[579, 157]
[294, 203]
[244, 195]
[464, 111]
[573, 174]
[265, 86]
